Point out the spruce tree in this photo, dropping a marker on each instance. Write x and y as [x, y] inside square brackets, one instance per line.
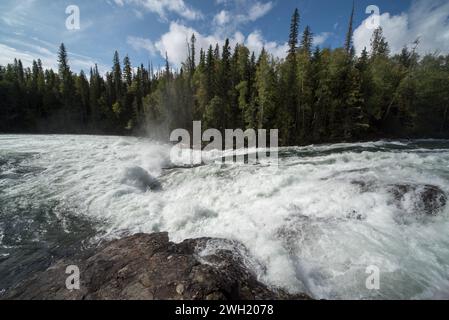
[379, 46]
[294, 33]
[65, 75]
[307, 41]
[117, 78]
[192, 54]
[127, 71]
[349, 35]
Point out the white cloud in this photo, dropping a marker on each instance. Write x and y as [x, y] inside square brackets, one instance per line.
[426, 20]
[222, 18]
[162, 7]
[321, 38]
[174, 42]
[142, 44]
[255, 42]
[243, 12]
[258, 10]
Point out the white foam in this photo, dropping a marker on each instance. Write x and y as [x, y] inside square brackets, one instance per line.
[299, 220]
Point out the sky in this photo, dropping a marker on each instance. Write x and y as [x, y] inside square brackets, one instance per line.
[147, 29]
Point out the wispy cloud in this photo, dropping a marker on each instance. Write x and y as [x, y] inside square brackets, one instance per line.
[258, 10]
[31, 49]
[163, 7]
[241, 12]
[10, 53]
[321, 38]
[138, 43]
[16, 15]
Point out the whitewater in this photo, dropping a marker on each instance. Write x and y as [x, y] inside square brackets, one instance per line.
[314, 223]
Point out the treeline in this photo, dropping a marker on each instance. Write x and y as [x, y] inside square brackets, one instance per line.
[313, 95]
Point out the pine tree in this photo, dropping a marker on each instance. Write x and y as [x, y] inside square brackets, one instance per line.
[305, 75]
[127, 71]
[202, 63]
[71, 115]
[291, 113]
[117, 78]
[167, 68]
[192, 55]
[307, 42]
[294, 33]
[379, 46]
[82, 90]
[225, 84]
[265, 92]
[349, 35]
[64, 72]
[210, 75]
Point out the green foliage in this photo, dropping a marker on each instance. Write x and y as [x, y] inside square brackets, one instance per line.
[314, 95]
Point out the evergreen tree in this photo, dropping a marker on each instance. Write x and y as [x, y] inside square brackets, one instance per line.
[307, 41]
[117, 78]
[82, 91]
[379, 46]
[127, 71]
[294, 33]
[71, 111]
[290, 115]
[349, 35]
[167, 68]
[192, 54]
[265, 92]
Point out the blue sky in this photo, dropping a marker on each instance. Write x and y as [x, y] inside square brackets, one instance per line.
[146, 29]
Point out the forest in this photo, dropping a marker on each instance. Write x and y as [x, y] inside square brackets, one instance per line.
[314, 95]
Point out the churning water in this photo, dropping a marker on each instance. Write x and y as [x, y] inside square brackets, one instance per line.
[312, 224]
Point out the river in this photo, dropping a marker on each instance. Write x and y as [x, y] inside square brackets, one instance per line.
[314, 223]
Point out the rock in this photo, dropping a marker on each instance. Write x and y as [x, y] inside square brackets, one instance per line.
[419, 200]
[180, 289]
[140, 179]
[426, 199]
[364, 186]
[150, 267]
[355, 215]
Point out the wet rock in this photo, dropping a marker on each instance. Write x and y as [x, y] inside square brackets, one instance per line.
[140, 179]
[364, 186]
[355, 215]
[150, 267]
[421, 199]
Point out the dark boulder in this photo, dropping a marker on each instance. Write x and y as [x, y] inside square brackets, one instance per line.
[140, 179]
[427, 199]
[150, 267]
[364, 185]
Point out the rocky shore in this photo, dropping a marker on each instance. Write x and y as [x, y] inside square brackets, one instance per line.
[150, 267]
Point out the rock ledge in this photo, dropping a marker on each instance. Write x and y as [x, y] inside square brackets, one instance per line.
[150, 267]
